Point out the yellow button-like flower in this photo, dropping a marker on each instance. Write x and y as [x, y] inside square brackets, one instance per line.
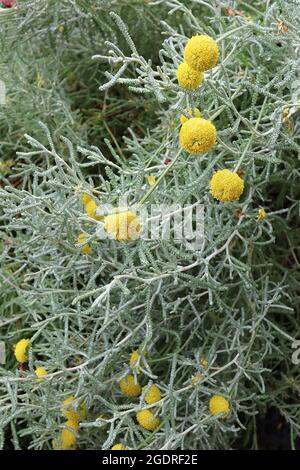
[21, 350]
[201, 53]
[197, 135]
[118, 447]
[147, 420]
[218, 405]
[226, 186]
[188, 77]
[86, 248]
[70, 412]
[66, 440]
[122, 225]
[261, 213]
[90, 208]
[153, 395]
[195, 112]
[130, 387]
[40, 372]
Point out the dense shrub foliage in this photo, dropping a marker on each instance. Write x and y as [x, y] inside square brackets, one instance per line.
[93, 109]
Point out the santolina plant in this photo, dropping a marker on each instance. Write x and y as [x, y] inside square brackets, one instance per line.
[120, 342]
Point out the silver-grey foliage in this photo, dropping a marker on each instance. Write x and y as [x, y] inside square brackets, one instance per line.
[230, 304]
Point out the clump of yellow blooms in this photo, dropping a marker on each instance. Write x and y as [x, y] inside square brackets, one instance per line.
[130, 387]
[67, 438]
[122, 226]
[118, 447]
[188, 77]
[21, 350]
[40, 372]
[195, 112]
[218, 405]
[226, 185]
[147, 420]
[261, 213]
[197, 135]
[86, 248]
[201, 53]
[153, 395]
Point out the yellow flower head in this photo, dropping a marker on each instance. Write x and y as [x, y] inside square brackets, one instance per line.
[195, 112]
[129, 387]
[197, 378]
[226, 186]
[261, 213]
[65, 441]
[70, 412]
[21, 350]
[147, 420]
[151, 180]
[40, 372]
[134, 357]
[204, 362]
[135, 360]
[188, 77]
[153, 395]
[118, 447]
[122, 226]
[86, 249]
[219, 404]
[85, 198]
[72, 424]
[201, 53]
[90, 208]
[197, 135]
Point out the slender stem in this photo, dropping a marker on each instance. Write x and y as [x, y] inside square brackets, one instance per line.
[251, 138]
[113, 137]
[166, 170]
[217, 113]
[232, 31]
